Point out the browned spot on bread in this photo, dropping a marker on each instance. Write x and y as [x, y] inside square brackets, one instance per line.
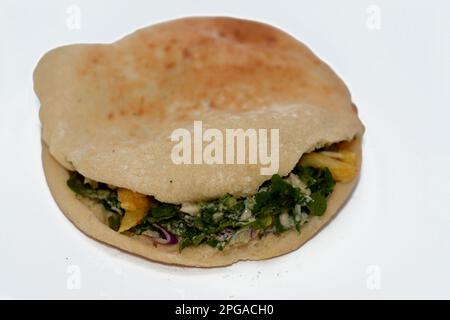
[140, 111]
[170, 65]
[186, 53]
[110, 116]
[238, 36]
[326, 90]
[95, 54]
[271, 39]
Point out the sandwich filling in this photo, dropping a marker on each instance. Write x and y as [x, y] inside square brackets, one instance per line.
[280, 204]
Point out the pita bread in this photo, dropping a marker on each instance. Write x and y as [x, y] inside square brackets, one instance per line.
[108, 110]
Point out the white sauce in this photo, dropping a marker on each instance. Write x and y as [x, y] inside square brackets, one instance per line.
[246, 215]
[190, 208]
[295, 181]
[285, 220]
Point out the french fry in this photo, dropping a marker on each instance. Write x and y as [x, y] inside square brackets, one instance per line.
[342, 164]
[136, 206]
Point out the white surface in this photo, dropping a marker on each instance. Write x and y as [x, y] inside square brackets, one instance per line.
[396, 225]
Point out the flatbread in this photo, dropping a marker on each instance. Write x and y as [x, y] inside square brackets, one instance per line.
[108, 111]
[90, 219]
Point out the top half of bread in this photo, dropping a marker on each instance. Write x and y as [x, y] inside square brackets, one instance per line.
[107, 110]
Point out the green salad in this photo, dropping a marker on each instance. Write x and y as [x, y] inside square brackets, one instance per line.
[280, 204]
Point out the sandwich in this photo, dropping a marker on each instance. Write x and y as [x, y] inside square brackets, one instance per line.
[109, 113]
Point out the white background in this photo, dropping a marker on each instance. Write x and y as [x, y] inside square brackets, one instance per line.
[391, 240]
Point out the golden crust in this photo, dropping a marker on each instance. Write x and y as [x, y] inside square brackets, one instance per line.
[91, 220]
[107, 111]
